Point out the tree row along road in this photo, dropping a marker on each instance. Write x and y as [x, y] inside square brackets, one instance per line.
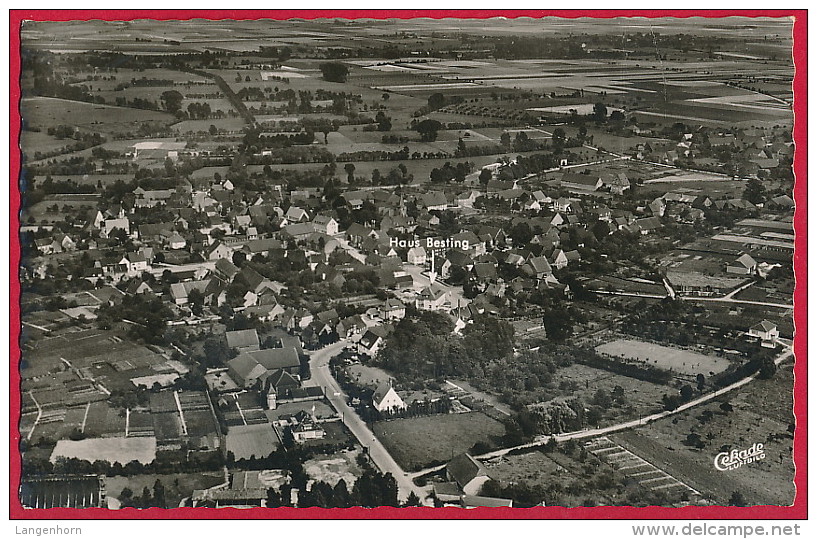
[321, 376]
[231, 96]
[592, 433]
[695, 298]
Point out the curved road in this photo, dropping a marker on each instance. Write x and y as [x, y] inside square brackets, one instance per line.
[592, 433]
[321, 376]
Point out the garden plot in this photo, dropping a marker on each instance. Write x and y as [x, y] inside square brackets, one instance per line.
[420, 442]
[662, 357]
[639, 470]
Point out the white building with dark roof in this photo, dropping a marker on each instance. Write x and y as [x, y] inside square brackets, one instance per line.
[385, 398]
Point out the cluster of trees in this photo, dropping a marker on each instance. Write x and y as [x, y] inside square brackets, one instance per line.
[48, 83]
[639, 371]
[422, 348]
[414, 409]
[293, 155]
[199, 111]
[334, 71]
[146, 317]
[666, 321]
[156, 498]
[165, 463]
[427, 129]
[371, 489]
[422, 345]
[282, 140]
[171, 101]
[449, 172]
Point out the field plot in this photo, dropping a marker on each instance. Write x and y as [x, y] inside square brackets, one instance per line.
[662, 357]
[43, 112]
[364, 375]
[630, 286]
[583, 109]
[345, 143]
[247, 441]
[565, 478]
[33, 142]
[420, 442]
[102, 420]
[639, 470]
[121, 450]
[758, 413]
[640, 398]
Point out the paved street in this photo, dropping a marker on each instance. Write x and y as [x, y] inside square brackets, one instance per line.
[321, 376]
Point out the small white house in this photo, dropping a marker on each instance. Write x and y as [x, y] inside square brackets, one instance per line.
[417, 256]
[767, 333]
[385, 398]
[326, 225]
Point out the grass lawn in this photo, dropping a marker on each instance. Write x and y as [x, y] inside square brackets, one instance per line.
[420, 442]
[664, 357]
[365, 376]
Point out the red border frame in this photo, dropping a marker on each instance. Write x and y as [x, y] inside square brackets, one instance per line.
[796, 511]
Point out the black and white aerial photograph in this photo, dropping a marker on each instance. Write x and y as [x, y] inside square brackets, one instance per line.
[510, 262]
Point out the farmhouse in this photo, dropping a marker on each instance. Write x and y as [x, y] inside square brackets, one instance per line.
[110, 225]
[217, 251]
[581, 182]
[306, 428]
[179, 292]
[648, 224]
[617, 183]
[249, 367]
[245, 340]
[562, 205]
[372, 340]
[434, 200]
[538, 267]
[392, 309]
[472, 502]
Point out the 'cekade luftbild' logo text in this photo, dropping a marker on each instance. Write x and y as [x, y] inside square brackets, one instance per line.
[732, 460]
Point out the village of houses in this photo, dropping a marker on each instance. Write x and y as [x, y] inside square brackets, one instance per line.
[229, 339]
[261, 391]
